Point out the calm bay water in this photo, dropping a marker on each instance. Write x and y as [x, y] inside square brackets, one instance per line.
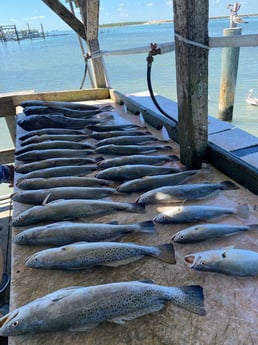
[56, 63]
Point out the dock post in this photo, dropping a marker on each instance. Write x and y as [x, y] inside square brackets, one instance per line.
[191, 51]
[229, 67]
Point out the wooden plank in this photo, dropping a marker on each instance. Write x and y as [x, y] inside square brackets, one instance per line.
[233, 166]
[7, 156]
[90, 16]
[68, 95]
[67, 16]
[191, 23]
[11, 124]
[7, 108]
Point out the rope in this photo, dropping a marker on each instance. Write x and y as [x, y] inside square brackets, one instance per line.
[193, 43]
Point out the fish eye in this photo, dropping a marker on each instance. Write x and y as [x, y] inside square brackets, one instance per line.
[181, 237]
[15, 323]
[202, 262]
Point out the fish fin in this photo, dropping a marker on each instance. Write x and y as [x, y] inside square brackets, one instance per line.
[99, 159]
[63, 293]
[137, 208]
[141, 312]
[46, 199]
[173, 158]
[243, 211]
[147, 226]
[191, 299]
[228, 185]
[224, 254]
[166, 253]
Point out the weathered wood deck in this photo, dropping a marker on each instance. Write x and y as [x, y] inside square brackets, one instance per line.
[231, 302]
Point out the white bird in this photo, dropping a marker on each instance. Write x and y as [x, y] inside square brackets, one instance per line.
[251, 100]
[238, 20]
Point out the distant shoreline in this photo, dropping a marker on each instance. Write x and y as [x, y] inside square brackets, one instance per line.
[164, 21]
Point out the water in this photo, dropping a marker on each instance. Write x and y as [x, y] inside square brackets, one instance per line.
[56, 63]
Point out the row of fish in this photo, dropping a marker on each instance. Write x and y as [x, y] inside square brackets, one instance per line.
[86, 245]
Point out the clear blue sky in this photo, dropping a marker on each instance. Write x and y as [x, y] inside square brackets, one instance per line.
[35, 12]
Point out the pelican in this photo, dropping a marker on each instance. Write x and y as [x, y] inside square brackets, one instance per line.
[251, 100]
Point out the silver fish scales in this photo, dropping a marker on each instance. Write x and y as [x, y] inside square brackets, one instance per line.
[90, 306]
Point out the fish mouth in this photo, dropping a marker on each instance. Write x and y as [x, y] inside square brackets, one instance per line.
[191, 260]
[7, 318]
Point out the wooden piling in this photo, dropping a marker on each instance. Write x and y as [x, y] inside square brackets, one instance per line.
[191, 31]
[229, 67]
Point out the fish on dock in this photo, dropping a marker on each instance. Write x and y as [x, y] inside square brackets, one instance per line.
[149, 182]
[73, 209]
[130, 300]
[61, 181]
[116, 133]
[70, 170]
[84, 255]
[230, 261]
[61, 233]
[51, 163]
[37, 109]
[54, 144]
[37, 155]
[129, 149]
[71, 105]
[54, 137]
[136, 159]
[38, 196]
[128, 140]
[196, 213]
[203, 232]
[119, 127]
[128, 172]
[186, 192]
[54, 121]
[53, 131]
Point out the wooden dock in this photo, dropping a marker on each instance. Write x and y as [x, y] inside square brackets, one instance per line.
[231, 302]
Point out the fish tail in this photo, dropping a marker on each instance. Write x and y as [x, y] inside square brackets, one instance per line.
[191, 298]
[173, 158]
[228, 185]
[166, 253]
[243, 211]
[137, 208]
[253, 226]
[147, 226]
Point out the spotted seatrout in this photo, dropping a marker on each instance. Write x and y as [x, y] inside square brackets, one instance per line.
[198, 191]
[196, 213]
[83, 255]
[62, 233]
[232, 261]
[73, 209]
[90, 306]
[202, 232]
[38, 196]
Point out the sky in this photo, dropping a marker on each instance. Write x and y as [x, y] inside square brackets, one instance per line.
[35, 12]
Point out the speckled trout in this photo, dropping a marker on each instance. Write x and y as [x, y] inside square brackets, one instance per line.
[202, 232]
[129, 149]
[90, 306]
[73, 209]
[232, 261]
[52, 162]
[38, 196]
[61, 181]
[197, 191]
[128, 140]
[61, 233]
[54, 137]
[146, 183]
[136, 159]
[196, 213]
[128, 172]
[84, 255]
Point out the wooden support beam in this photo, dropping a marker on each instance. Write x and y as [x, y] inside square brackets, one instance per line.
[90, 15]
[67, 17]
[191, 25]
[7, 156]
